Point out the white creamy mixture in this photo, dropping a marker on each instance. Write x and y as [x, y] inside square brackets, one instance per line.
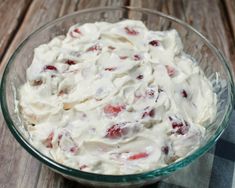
[116, 98]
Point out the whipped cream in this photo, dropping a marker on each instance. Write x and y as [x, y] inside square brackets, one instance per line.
[116, 98]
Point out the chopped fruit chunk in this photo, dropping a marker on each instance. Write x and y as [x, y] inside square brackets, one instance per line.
[113, 109]
[150, 92]
[116, 131]
[50, 67]
[140, 77]
[74, 149]
[165, 150]
[137, 57]
[138, 156]
[37, 82]
[110, 69]
[82, 167]
[77, 30]
[70, 62]
[179, 127]
[150, 113]
[170, 71]
[94, 48]
[184, 93]
[48, 141]
[131, 31]
[154, 43]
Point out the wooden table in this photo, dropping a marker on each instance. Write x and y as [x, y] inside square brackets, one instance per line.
[214, 18]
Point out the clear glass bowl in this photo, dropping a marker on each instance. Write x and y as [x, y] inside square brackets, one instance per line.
[209, 58]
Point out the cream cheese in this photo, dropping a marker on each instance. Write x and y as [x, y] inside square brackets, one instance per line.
[116, 98]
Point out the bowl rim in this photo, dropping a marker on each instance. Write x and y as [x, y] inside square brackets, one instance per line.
[163, 171]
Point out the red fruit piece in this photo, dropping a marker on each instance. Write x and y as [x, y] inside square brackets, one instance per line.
[170, 70]
[154, 43]
[73, 149]
[137, 57]
[165, 150]
[180, 127]
[50, 67]
[113, 109]
[150, 93]
[48, 140]
[184, 93]
[116, 131]
[138, 156]
[94, 48]
[70, 62]
[110, 69]
[131, 31]
[82, 167]
[75, 33]
[150, 113]
[140, 77]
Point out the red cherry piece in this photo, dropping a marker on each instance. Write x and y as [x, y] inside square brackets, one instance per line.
[110, 69]
[170, 71]
[116, 131]
[77, 30]
[94, 48]
[82, 167]
[165, 150]
[184, 93]
[150, 113]
[140, 77]
[74, 149]
[154, 43]
[131, 31]
[150, 93]
[137, 57]
[70, 62]
[138, 156]
[50, 67]
[48, 141]
[113, 110]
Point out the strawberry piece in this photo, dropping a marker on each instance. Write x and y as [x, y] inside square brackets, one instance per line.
[150, 93]
[137, 57]
[116, 131]
[165, 150]
[110, 69]
[150, 113]
[170, 70]
[131, 31]
[94, 48]
[82, 167]
[113, 110]
[154, 43]
[70, 62]
[179, 127]
[184, 93]
[138, 156]
[50, 67]
[48, 140]
[75, 33]
[73, 149]
[140, 77]
[77, 30]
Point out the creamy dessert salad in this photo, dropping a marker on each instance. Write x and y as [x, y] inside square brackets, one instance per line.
[115, 98]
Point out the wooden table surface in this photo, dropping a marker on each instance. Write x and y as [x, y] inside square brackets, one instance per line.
[214, 18]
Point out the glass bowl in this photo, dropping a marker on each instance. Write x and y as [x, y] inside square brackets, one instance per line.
[209, 58]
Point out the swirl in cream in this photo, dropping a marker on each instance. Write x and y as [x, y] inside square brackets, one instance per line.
[116, 98]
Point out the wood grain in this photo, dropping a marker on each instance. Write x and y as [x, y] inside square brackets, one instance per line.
[230, 7]
[12, 13]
